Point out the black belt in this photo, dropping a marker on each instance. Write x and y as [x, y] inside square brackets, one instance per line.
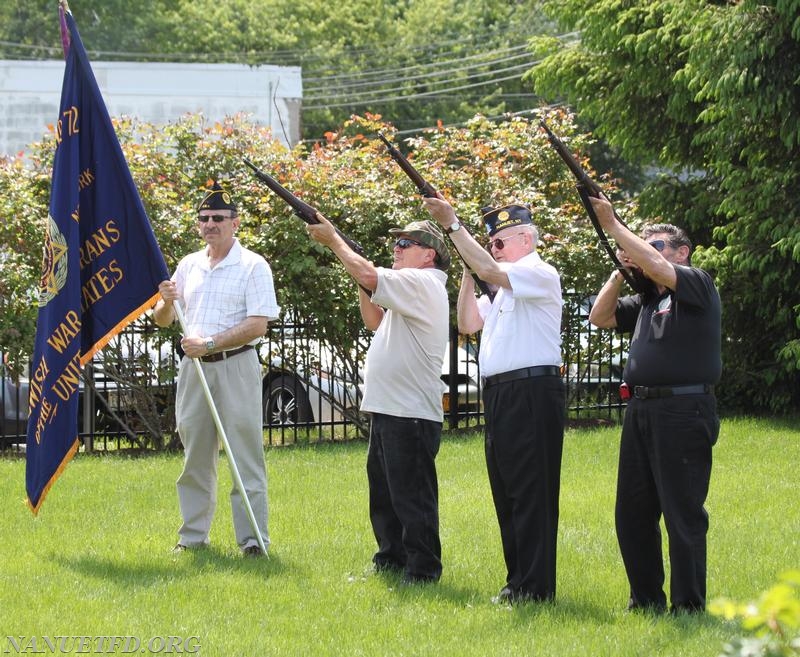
[222, 355]
[522, 373]
[643, 392]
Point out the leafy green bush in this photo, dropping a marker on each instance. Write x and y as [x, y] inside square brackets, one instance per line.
[774, 621]
[350, 179]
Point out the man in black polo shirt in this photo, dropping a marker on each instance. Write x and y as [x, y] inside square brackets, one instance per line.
[671, 421]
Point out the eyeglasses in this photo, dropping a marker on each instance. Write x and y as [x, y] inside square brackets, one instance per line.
[658, 245]
[404, 243]
[216, 218]
[500, 242]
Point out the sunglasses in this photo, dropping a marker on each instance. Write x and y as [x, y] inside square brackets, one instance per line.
[500, 242]
[404, 243]
[216, 218]
[658, 245]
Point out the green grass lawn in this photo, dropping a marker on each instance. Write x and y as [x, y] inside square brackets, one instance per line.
[97, 560]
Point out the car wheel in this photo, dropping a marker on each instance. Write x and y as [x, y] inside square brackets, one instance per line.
[286, 402]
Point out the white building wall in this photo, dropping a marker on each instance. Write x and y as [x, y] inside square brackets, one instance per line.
[159, 93]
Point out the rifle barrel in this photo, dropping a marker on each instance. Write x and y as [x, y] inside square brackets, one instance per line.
[422, 185]
[306, 212]
[429, 191]
[589, 188]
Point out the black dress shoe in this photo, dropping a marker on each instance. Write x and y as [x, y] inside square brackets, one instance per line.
[511, 596]
[253, 551]
[521, 597]
[388, 567]
[411, 580]
[506, 596]
[646, 608]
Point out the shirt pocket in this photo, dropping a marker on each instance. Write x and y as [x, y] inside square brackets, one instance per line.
[507, 304]
[504, 328]
[661, 321]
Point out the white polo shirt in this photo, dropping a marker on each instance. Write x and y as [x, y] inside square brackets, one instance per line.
[214, 300]
[402, 375]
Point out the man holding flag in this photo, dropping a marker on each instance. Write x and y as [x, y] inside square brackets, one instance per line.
[228, 296]
[101, 270]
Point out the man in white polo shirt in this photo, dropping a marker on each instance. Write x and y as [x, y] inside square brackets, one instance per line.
[409, 312]
[228, 297]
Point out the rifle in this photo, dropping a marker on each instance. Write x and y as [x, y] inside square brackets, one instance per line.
[429, 191]
[588, 188]
[306, 212]
[425, 188]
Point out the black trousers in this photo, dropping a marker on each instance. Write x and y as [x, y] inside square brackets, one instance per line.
[665, 469]
[524, 442]
[404, 494]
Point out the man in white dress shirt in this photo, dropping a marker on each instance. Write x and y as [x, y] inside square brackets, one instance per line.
[523, 393]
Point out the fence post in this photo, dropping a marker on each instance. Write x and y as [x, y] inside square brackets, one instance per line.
[453, 379]
[88, 407]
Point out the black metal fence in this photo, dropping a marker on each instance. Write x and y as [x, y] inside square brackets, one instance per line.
[310, 390]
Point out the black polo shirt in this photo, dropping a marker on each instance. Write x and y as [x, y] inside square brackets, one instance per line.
[676, 335]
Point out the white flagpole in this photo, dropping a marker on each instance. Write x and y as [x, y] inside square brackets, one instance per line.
[218, 422]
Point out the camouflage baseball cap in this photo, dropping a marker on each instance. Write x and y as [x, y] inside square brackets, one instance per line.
[428, 233]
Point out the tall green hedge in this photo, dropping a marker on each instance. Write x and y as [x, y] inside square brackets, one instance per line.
[350, 179]
[706, 94]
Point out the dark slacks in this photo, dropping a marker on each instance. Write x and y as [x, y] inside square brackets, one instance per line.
[404, 494]
[665, 468]
[524, 442]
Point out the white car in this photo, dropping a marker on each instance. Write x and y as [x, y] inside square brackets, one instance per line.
[302, 386]
[594, 358]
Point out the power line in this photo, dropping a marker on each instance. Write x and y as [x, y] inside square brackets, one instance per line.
[372, 72]
[360, 75]
[299, 55]
[356, 102]
[444, 65]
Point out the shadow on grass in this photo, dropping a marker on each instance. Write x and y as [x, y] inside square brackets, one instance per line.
[562, 610]
[431, 591]
[463, 596]
[133, 570]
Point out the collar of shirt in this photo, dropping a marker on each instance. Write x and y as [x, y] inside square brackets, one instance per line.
[234, 256]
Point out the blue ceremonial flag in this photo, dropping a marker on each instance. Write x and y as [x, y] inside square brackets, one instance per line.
[101, 267]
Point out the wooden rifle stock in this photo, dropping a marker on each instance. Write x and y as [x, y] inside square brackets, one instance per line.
[306, 212]
[587, 189]
[429, 191]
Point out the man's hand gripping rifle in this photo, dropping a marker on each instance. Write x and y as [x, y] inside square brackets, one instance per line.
[429, 191]
[588, 188]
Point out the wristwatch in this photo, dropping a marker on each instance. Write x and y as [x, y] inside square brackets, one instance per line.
[452, 228]
[210, 344]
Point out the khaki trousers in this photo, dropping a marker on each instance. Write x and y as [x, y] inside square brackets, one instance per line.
[235, 385]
